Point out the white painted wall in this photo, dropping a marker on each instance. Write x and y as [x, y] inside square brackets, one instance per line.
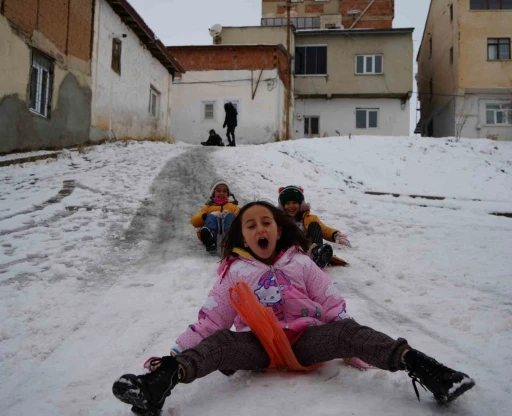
[340, 114]
[472, 109]
[124, 99]
[259, 120]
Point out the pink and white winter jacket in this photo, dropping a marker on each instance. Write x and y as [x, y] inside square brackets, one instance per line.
[299, 293]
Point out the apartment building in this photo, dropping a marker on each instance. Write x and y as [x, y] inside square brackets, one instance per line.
[465, 69]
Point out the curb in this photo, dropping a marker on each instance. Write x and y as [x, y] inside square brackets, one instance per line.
[29, 159]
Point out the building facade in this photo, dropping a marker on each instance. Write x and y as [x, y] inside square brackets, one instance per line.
[45, 82]
[465, 70]
[132, 74]
[330, 14]
[351, 71]
[252, 77]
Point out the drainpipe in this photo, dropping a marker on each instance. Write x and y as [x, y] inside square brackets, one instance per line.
[95, 55]
[288, 73]
[362, 14]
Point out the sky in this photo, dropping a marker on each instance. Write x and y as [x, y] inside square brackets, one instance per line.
[178, 22]
[102, 271]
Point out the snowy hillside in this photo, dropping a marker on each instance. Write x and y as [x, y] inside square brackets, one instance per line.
[100, 269]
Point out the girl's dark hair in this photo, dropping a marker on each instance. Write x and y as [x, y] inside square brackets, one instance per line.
[290, 234]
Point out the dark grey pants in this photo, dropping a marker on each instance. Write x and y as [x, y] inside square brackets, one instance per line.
[314, 233]
[229, 351]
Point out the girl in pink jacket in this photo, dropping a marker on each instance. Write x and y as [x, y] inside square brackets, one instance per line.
[266, 250]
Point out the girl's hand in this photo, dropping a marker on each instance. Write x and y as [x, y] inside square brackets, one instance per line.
[342, 239]
[357, 363]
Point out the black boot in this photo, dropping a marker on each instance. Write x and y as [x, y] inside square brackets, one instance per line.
[446, 384]
[209, 240]
[322, 255]
[147, 392]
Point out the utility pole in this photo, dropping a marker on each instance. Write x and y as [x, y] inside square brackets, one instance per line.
[288, 73]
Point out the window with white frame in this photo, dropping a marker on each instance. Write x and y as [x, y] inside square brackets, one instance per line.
[154, 101]
[367, 118]
[369, 64]
[498, 113]
[41, 84]
[311, 126]
[208, 110]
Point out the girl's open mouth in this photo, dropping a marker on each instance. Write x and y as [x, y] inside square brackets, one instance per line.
[263, 243]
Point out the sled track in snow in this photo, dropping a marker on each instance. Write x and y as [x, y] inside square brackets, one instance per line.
[163, 220]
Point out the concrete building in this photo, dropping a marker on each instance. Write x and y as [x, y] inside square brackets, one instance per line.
[330, 14]
[252, 77]
[74, 72]
[352, 72]
[45, 56]
[132, 73]
[465, 70]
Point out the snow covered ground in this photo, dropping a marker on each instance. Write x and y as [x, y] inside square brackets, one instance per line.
[100, 269]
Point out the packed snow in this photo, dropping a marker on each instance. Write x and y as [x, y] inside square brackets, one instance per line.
[101, 269]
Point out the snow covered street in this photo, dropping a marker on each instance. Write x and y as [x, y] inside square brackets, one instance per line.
[100, 269]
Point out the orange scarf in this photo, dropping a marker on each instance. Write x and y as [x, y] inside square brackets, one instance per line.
[265, 326]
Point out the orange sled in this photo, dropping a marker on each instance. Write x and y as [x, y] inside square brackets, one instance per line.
[265, 326]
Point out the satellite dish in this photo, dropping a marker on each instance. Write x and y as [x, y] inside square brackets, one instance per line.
[215, 30]
[354, 11]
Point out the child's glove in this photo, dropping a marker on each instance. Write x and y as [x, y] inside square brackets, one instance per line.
[357, 363]
[152, 363]
[175, 350]
[342, 239]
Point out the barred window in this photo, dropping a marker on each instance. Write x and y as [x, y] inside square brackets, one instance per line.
[41, 83]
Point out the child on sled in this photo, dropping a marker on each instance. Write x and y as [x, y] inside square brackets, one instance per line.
[287, 313]
[216, 216]
[292, 202]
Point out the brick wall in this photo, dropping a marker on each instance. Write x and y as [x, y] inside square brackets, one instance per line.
[379, 15]
[203, 58]
[315, 8]
[53, 21]
[282, 9]
[80, 29]
[66, 23]
[23, 14]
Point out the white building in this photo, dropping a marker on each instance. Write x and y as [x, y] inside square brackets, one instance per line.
[249, 76]
[132, 73]
[354, 116]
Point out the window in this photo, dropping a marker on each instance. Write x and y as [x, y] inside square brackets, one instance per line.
[498, 48]
[496, 113]
[431, 88]
[154, 101]
[116, 55]
[311, 60]
[369, 64]
[451, 12]
[490, 4]
[451, 55]
[208, 110]
[311, 125]
[41, 84]
[297, 22]
[367, 118]
[430, 47]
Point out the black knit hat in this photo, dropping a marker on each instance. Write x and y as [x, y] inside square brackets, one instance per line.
[291, 193]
